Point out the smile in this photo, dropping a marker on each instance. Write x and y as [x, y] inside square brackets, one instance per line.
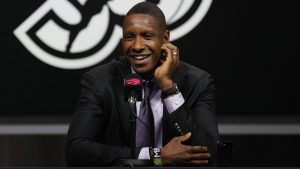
[140, 57]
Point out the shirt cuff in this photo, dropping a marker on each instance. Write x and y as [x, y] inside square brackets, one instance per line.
[174, 102]
[144, 154]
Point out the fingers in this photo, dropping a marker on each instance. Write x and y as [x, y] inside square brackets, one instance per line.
[197, 162]
[172, 53]
[198, 149]
[177, 153]
[175, 53]
[168, 63]
[200, 156]
[198, 152]
[185, 137]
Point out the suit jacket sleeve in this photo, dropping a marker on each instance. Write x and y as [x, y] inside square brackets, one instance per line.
[197, 114]
[85, 139]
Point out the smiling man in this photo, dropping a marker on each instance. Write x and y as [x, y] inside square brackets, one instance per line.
[181, 127]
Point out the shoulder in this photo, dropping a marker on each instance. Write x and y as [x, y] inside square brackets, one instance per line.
[107, 74]
[115, 66]
[192, 73]
[194, 83]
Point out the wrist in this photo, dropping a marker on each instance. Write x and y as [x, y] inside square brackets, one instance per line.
[164, 83]
[170, 91]
[155, 156]
[163, 157]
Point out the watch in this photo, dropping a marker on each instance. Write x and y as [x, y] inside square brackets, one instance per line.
[155, 155]
[170, 91]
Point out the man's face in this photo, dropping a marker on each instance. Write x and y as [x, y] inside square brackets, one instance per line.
[142, 41]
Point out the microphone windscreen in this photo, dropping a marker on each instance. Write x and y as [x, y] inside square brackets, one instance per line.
[133, 87]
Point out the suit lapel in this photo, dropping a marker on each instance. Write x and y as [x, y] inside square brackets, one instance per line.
[123, 107]
[124, 113]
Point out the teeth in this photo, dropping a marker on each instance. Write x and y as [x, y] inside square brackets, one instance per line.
[139, 57]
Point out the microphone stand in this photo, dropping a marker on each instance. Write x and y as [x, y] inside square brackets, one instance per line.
[132, 119]
[133, 162]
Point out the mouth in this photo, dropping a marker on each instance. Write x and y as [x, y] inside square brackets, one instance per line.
[139, 59]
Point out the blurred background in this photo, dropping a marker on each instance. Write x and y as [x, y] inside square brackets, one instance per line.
[250, 47]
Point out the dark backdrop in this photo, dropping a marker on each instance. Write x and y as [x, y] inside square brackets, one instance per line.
[250, 47]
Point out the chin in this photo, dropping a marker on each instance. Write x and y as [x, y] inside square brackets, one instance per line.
[143, 71]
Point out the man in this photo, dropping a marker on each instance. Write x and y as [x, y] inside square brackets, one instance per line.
[182, 101]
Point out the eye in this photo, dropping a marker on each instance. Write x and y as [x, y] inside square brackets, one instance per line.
[128, 36]
[148, 36]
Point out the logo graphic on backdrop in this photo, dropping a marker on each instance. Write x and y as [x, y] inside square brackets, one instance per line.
[75, 34]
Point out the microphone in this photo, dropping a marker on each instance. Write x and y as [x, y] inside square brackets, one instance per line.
[132, 88]
[133, 93]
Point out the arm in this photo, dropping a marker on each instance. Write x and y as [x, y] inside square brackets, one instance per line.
[86, 144]
[196, 115]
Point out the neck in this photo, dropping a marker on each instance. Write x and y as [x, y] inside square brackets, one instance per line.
[147, 77]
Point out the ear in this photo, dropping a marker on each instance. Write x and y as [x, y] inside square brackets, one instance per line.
[166, 36]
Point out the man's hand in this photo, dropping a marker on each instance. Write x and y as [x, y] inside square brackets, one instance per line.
[175, 153]
[168, 64]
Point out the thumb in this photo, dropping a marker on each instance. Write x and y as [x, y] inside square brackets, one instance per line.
[185, 137]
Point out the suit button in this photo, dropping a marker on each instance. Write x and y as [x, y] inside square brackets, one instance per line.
[176, 124]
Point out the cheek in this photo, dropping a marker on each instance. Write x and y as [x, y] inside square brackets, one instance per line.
[158, 48]
[155, 46]
[125, 47]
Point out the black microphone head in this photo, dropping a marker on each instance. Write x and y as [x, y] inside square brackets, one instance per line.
[133, 87]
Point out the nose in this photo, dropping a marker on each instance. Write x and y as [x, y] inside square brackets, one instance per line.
[138, 45]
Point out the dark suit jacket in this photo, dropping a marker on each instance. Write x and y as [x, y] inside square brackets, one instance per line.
[99, 130]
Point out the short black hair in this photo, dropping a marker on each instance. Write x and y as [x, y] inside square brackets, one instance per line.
[151, 9]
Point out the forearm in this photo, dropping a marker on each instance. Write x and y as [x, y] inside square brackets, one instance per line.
[197, 117]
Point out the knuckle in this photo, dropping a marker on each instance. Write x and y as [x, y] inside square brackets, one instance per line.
[203, 148]
[190, 149]
[176, 138]
[187, 156]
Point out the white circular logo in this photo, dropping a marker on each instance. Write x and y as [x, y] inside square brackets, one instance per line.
[81, 33]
